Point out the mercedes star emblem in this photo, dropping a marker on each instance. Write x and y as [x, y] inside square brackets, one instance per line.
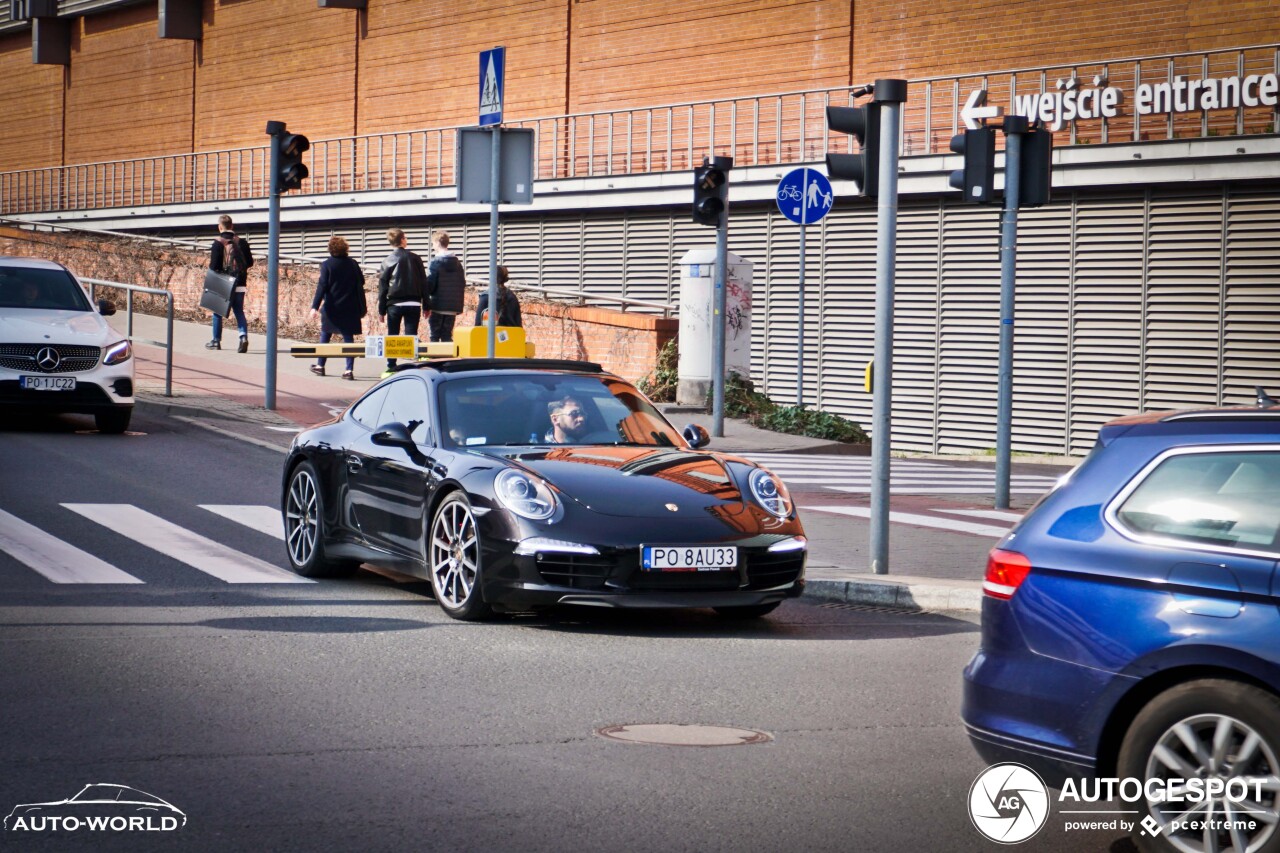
[47, 359]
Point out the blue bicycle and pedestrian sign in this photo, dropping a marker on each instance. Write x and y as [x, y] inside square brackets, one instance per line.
[804, 196]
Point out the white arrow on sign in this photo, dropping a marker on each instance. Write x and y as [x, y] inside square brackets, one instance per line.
[975, 109]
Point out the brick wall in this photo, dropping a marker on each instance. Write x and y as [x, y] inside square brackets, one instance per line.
[130, 92]
[626, 344]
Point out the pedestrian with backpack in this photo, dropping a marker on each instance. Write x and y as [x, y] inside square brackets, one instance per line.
[508, 304]
[446, 288]
[231, 256]
[402, 289]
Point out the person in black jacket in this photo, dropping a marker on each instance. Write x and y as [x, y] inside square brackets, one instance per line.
[341, 293]
[402, 289]
[446, 288]
[231, 254]
[508, 304]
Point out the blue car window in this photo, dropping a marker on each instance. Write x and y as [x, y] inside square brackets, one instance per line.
[1230, 499]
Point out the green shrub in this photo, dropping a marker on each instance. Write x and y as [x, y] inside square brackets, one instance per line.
[741, 400]
[660, 385]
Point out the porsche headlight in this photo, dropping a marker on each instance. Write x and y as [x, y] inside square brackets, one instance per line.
[770, 493]
[524, 495]
[117, 353]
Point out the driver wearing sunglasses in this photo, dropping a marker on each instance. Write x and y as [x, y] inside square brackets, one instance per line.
[568, 421]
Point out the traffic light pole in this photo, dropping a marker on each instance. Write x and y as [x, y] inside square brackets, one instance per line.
[718, 333]
[891, 94]
[273, 265]
[1014, 128]
[804, 222]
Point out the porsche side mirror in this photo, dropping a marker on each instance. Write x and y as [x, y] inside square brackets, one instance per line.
[696, 436]
[106, 307]
[393, 435]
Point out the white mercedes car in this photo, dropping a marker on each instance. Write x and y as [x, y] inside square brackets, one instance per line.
[57, 353]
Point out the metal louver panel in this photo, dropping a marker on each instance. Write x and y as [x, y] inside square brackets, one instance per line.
[778, 373]
[1251, 302]
[603, 252]
[840, 309]
[650, 272]
[1183, 333]
[1042, 329]
[915, 325]
[969, 327]
[562, 252]
[1107, 304]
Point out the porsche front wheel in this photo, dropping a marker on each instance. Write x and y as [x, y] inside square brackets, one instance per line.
[453, 560]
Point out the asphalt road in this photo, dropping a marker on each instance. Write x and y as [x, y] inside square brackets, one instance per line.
[353, 715]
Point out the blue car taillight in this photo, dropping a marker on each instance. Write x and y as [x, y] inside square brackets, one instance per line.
[1006, 570]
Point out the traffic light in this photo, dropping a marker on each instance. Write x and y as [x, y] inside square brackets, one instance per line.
[292, 171]
[1036, 169]
[979, 172]
[709, 181]
[862, 168]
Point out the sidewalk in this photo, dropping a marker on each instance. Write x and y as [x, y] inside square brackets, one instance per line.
[223, 390]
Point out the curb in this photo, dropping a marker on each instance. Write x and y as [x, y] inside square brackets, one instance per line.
[914, 594]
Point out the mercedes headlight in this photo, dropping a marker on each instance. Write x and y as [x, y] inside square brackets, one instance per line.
[524, 495]
[770, 493]
[117, 353]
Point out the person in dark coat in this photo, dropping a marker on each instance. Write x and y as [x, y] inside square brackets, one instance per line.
[446, 288]
[508, 304]
[339, 301]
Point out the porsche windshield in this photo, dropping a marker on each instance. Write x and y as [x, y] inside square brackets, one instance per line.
[549, 408]
[26, 287]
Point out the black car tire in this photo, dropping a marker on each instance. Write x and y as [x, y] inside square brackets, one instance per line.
[748, 611]
[304, 527]
[454, 553]
[1200, 705]
[113, 421]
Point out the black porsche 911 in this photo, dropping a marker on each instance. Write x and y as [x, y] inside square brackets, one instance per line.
[518, 484]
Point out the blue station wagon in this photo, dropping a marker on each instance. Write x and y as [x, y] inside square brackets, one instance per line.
[1130, 626]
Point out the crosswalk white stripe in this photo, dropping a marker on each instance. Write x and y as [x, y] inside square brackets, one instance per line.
[779, 467]
[994, 514]
[934, 490]
[264, 519]
[917, 519]
[809, 477]
[58, 561]
[183, 545]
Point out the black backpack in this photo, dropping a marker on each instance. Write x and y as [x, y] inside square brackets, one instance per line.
[233, 258]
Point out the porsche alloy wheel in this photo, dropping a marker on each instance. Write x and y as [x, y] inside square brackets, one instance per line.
[304, 528]
[453, 559]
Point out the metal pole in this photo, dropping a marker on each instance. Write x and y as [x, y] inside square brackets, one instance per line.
[890, 94]
[273, 275]
[495, 189]
[168, 352]
[1014, 127]
[720, 305]
[804, 222]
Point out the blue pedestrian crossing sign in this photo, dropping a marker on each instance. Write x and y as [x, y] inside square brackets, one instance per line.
[492, 65]
[804, 196]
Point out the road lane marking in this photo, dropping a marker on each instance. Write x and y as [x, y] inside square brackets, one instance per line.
[199, 552]
[58, 561]
[951, 524]
[264, 519]
[993, 514]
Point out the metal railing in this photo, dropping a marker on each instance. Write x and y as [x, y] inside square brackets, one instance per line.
[765, 130]
[130, 289]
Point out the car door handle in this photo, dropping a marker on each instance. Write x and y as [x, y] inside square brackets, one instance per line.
[354, 464]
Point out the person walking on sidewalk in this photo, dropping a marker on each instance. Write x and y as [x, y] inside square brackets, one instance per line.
[446, 288]
[402, 289]
[339, 301]
[231, 255]
[508, 304]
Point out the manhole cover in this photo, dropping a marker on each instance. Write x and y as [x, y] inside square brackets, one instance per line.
[667, 734]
